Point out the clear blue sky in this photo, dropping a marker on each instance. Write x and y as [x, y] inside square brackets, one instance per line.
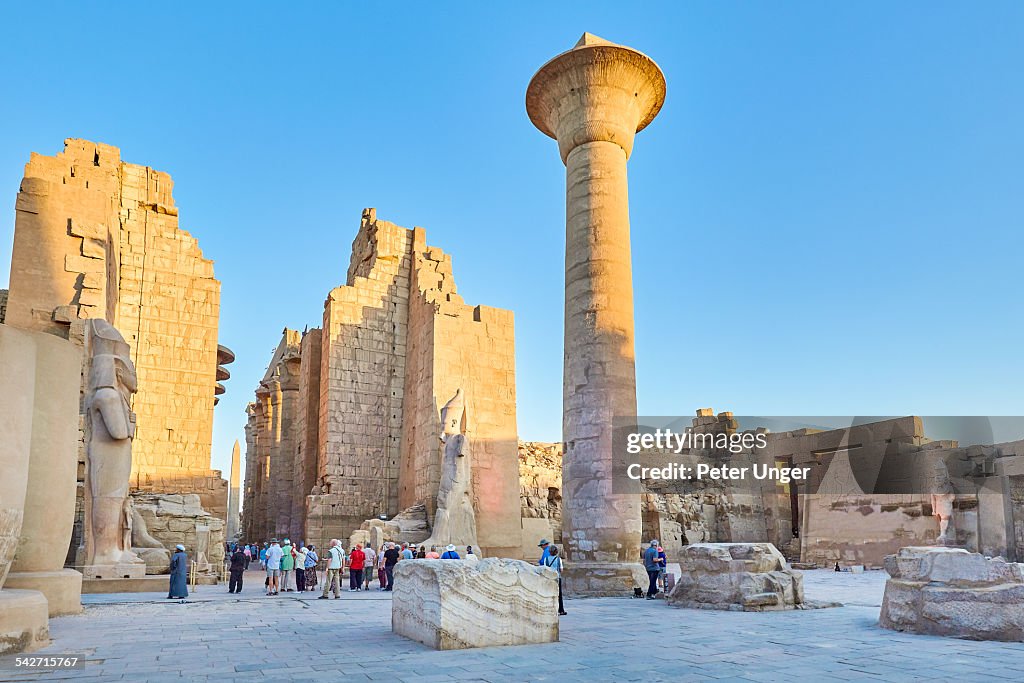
[827, 215]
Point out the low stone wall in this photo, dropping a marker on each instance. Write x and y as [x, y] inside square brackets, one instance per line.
[452, 604]
[952, 592]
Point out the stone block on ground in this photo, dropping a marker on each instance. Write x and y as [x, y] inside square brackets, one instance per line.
[24, 621]
[952, 592]
[748, 577]
[452, 604]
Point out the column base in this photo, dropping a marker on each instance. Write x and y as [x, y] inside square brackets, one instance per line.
[24, 625]
[602, 579]
[63, 588]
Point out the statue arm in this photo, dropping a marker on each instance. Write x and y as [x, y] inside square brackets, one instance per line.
[110, 405]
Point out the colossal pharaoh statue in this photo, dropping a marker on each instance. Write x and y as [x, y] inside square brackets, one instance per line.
[110, 426]
[455, 520]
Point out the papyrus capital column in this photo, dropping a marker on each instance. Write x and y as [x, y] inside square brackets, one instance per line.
[593, 99]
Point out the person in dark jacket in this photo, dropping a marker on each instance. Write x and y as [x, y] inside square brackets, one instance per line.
[237, 568]
[179, 574]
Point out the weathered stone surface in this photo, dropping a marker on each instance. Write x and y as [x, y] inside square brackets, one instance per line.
[952, 592]
[158, 560]
[24, 625]
[749, 577]
[592, 100]
[172, 519]
[452, 604]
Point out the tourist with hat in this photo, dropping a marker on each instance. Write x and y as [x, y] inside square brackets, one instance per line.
[335, 562]
[544, 545]
[555, 562]
[450, 553]
[274, 555]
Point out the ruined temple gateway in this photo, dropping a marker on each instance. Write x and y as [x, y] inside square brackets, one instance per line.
[98, 238]
[345, 426]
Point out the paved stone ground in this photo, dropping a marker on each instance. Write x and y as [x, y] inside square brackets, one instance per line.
[293, 638]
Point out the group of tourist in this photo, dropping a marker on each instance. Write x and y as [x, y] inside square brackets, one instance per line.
[293, 568]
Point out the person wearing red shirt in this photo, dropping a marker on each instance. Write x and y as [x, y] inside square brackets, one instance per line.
[355, 568]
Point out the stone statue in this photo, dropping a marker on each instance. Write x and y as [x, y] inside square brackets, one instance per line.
[110, 425]
[942, 498]
[454, 520]
[141, 538]
[203, 549]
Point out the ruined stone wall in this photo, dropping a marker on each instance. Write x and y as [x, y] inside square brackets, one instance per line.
[3, 305]
[453, 345]
[98, 238]
[272, 441]
[362, 383]
[540, 494]
[67, 228]
[307, 428]
[168, 311]
[252, 501]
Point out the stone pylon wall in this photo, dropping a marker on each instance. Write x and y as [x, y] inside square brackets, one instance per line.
[453, 345]
[98, 238]
[362, 382]
[361, 428]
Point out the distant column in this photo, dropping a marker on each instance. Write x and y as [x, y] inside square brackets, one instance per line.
[234, 493]
[592, 100]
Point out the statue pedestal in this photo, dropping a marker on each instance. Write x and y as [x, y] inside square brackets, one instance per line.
[63, 589]
[124, 570]
[23, 621]
[602, 579]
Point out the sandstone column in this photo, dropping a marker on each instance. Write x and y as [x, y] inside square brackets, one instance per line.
[52, 478]
[233, 494]
[592, 100]
[23, 613]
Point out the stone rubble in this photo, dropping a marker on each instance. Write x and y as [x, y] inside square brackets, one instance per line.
[945, 591]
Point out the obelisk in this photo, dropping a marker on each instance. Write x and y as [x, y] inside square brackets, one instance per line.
[233, 494]
[592, 100]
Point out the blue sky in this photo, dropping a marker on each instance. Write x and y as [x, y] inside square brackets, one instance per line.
[827, 215]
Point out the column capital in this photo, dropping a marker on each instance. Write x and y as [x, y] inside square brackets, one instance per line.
[597, 91]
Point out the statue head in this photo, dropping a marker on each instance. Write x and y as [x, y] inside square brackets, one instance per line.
[453, 413]
[111, 362]
[941, 482]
